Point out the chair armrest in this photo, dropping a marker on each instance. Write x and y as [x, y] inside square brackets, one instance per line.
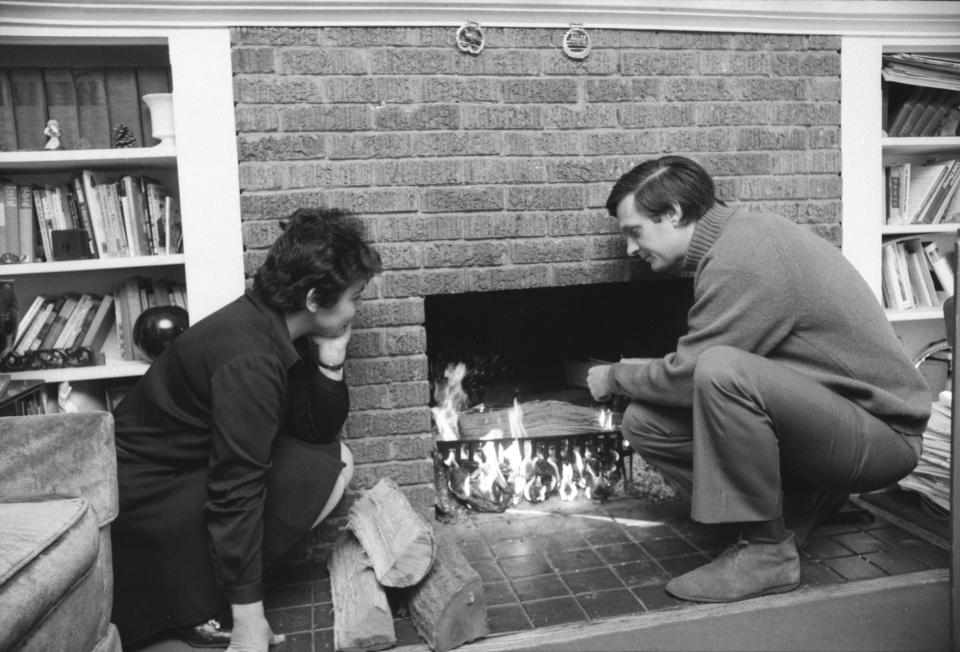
[65, 454]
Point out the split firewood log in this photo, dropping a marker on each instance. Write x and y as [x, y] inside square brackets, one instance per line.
[399, 542]
[448, 607]
[362, 619]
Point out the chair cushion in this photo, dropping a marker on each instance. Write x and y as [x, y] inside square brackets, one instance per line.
[46, 548]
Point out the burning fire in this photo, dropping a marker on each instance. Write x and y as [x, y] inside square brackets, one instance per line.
[504, 467]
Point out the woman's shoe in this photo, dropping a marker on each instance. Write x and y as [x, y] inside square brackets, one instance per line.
[208, 634]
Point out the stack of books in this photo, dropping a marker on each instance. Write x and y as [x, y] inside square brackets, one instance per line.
[90, 105]
[926, 94]
[129, 215]
[923, 194]
[914, 274]
[931, 478]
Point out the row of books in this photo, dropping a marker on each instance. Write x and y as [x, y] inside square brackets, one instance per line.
[72, 320]
[915, 274]
[88, 103]
[926, 93]
[129, 215]
[931, 477]
[923, 194]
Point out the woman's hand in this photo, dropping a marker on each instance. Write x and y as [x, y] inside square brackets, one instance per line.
[251, 631]
[598, 382]
[331, 351]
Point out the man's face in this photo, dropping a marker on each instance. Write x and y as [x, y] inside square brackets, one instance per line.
[662, 244]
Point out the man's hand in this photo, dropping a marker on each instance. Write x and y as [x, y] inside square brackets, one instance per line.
[251, 631]
[598, 382]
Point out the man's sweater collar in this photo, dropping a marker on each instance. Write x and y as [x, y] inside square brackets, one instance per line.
[705, 233]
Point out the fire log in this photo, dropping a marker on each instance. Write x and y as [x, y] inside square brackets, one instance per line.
[399, 542]
[448, 607]
[362, 620]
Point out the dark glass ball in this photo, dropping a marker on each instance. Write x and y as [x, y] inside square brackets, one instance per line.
[157, 327]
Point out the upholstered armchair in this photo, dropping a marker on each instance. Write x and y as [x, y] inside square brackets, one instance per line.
[58, 495]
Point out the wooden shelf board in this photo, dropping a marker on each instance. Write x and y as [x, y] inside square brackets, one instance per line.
[161, 156]
[113, 369]
[91, 264]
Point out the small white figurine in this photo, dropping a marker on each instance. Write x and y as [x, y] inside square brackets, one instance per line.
[52, 132]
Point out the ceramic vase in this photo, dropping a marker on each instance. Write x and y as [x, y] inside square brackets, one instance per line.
[161, 117]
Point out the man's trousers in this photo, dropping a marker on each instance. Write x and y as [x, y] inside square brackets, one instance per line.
[758, 427]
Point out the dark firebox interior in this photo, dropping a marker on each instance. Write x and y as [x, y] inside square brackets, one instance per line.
[525, 344]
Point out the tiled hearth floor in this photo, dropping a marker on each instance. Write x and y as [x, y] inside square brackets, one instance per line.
[574, 562]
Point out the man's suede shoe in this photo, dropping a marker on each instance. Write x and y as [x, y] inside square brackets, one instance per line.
[744, 570]
[206, 635]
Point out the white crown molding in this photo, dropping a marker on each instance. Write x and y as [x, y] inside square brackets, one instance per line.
[933, 18]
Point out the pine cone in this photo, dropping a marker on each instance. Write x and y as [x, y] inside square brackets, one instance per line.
[122, 137]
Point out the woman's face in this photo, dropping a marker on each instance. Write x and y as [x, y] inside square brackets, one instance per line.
[334, 320]
[661, 244]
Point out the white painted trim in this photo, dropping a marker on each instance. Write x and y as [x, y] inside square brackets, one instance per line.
[839, 17]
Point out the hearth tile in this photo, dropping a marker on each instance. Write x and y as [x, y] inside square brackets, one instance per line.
[894, 562]
[655, 598]
[591, 579]
[284, 574]
[507, 618]
[301, 642]
[323, 615]
[488, 570]
[562, 542]
[606, 533]
[895, 536]
[854, 568]
[498, 593]
[712, 541]
[524, 566]
[294, 619]
[554, 611]
[515, 547]
[674, 546]
[814, 573]
[574, 560]
[541, 586]
[323, 641]
[287, 595]
[645, 532]
[860, 542]
[928, 554]
[619, 553]
[831, 529]
[679, 565]
[606, 604]
[825, 548]
[641, 573]
[474, 549]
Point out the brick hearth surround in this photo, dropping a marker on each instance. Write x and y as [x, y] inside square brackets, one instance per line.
[489, 172]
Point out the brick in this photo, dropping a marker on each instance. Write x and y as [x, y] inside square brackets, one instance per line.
[623, 90]
[369, 397]
[768, 41]
[253, 60]
[405, 340]
[623, 38]
[390, 312]
[580, 223]
[252, 261]
[541, 91]
[409, 394]
[256, 118]
[591, 116]
[548, 251]
[452, 89]
[822, 42]
[645, 116]
[700, 89]
[521, 37]
[370, 89]
[739, 163]
[372, 200]
[599, 62]
[399, 228]
[465, 254]
[695, 40]
[732, 113]
[376, 371]
[416, 117]
[541, 144]
[502, 117]
[324, 117]
[656, 63]
[439, 200]
[593, 272]
[400, 255]
[419, 61]
[803, 162]
[366, 451]
[636, 143]
[734, 63]
[788, 187]
[359, 146]
[509, 278]
[609, 246]
[321, 61]
[279, 147]
[260, 233]
[403, 473]
[805, 211]
[495, 225]
[490, 170]
[416, 173]
[456, 144]
[362, 37]
[424, 283]
[581, 170]
[274, 36]
[778, 90]
[806, 64]
[366, 343]
[562, 197]
[270, 89]
[499, 63]
[807, 113]
[823, 89]
[699, 140]
[375, 423]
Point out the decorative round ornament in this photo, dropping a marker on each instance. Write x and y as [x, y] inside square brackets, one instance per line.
[157, 327]
[470, 37]
[576, 42]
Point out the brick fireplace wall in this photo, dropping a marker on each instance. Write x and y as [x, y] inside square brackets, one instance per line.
[490, 172]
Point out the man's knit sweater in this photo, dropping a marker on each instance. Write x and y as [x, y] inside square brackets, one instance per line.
[771, 287]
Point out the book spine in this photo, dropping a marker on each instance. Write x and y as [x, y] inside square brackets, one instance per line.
[123, 101]
[35, 306]
[940, 266]
[43, 224]
[30, 335]
[86, 222]
[8, 123]
[29, 106]
[11, 204]
[59, 321]
[98, 221]
[28, 220]
[96, 332]
[72, 325]
[944, 193]
[56, 304]
[61, 96]
[92, 116]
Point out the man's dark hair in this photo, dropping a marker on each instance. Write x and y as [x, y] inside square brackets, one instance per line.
[657, 183]
[320, 249]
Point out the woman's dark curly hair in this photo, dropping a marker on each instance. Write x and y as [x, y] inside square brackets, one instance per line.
[320, 249]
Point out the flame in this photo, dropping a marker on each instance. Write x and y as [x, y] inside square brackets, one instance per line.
[450, 399]
[605, 419]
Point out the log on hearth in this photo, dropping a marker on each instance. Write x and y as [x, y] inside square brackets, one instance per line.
[399, 542]
[448, 607]
[545, 418]
[362, 620]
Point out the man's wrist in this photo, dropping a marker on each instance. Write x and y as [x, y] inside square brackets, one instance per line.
[330, 367]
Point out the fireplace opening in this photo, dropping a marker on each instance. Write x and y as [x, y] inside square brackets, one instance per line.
[515, 420]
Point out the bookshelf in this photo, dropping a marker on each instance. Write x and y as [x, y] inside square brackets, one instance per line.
[200, 169]
[866, 151]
